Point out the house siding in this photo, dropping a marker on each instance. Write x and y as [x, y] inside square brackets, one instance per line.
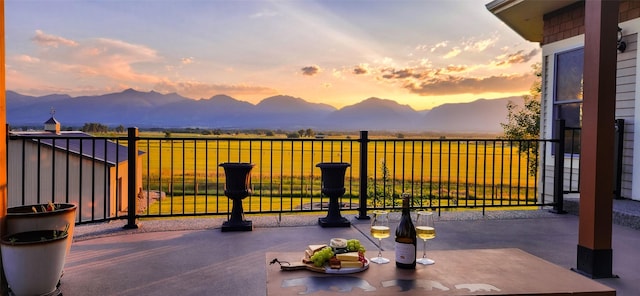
[625, 107]
[571, 167]
[545, 124]
[564, 30]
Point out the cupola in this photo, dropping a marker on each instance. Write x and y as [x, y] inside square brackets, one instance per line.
[52, 125]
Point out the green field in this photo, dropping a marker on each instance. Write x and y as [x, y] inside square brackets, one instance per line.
[437, 172]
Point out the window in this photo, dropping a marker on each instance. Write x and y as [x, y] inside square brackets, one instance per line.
[567, 101]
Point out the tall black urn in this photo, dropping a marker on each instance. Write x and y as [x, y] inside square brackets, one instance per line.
[237, 187]
[333, 187]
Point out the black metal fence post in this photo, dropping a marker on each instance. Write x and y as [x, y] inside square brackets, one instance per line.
[364, 149]
[132, 188]
[619, 150]
[558, 176]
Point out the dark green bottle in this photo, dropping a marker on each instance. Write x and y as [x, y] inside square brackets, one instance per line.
[406, 240]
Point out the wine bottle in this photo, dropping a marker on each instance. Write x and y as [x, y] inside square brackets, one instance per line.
[406, 239]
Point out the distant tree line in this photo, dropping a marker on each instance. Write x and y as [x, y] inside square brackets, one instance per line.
[301, 133]
[94, 127]
[231, 132]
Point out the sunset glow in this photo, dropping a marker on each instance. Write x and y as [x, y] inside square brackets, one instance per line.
[416, 52]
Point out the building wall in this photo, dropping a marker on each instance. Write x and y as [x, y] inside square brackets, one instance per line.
[119, 187]
[569, 21]
[564, 30]
[89, 181]
[626, 76]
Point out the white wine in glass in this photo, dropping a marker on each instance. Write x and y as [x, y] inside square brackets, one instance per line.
[425, 229]
[380, 230]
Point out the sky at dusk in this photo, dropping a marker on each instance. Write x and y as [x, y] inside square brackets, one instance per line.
[420, 53]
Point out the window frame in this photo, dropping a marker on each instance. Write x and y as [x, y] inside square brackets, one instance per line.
[570, 146]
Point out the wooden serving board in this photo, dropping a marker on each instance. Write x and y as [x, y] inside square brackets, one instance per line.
[323, 269]
[302, 266]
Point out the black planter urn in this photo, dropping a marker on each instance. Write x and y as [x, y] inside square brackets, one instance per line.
[237, 187]
[333, 187]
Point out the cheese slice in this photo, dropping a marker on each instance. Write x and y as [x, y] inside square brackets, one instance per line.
[308, 254]
[315, 248]
[350, 256]
[350, 264]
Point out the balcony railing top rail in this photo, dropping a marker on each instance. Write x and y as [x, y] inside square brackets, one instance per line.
[125, 177]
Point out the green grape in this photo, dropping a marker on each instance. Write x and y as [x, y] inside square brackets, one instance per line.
[328, 253]
[353, 245]
[322, 256]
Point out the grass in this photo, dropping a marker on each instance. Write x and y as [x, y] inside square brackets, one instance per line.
[220, 204]
[464, 161]
[468, 172]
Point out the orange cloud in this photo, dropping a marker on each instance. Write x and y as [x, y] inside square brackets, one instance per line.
[452, 53]
[310, 70]
[401, 74]
[432, 48]
[479, 46]
[518, 57]
[200, 90]
[97, 61]
[27, 59]
[449, 80]
[50, 40]
[102, 57]
[454, 50]
[448, 84]
[456, 68]
[360, 69]
[439, 45]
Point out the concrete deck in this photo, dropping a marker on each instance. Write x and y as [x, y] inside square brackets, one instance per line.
[193, 257]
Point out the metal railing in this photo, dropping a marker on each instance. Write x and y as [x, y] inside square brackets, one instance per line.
[572, 154]
[180, 176]
[572, 137]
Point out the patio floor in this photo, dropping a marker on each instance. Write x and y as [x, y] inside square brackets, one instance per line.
[191, 256]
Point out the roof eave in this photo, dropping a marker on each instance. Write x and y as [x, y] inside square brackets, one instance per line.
[525, 17]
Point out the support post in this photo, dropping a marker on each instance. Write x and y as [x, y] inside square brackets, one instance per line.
[132, 188]
[594, 254]
[364, 150]
[558, 168]
[3, 144]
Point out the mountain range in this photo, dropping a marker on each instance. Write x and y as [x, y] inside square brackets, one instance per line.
[155, 110]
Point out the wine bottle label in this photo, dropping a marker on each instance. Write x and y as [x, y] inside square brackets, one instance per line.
[405, 253]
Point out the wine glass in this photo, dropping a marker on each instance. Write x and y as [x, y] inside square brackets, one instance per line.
[425, 230]
[380, 230]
